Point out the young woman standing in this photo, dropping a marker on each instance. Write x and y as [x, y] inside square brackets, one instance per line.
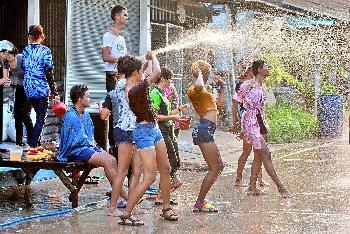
[237, 111]
[148, 138]
[252, 95]
[38, 81]
[206, 107]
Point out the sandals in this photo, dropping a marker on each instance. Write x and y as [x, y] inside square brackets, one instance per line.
[92, 180]
[129, 220]
[170, 217]
[160, 202]
[206, 207]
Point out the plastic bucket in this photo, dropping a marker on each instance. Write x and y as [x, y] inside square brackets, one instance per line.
[185, 122]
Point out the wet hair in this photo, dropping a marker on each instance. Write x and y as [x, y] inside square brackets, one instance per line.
[258, 64]
[205, 68]
[165, 73]
[128, 64]
[77, 91]
[36, 32]
[117, 10]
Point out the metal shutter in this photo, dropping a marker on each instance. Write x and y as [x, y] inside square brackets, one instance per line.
[87, 21]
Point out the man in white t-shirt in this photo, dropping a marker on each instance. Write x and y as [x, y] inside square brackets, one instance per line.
[114, 45]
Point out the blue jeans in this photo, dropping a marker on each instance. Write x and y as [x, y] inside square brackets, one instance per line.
[122, 137]
[40, 106]
[147, 135]
[203, 132]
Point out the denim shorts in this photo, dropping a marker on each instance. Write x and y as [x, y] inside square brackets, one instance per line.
[84, 155]
[147, 135]
[123, 137]
[203, 132]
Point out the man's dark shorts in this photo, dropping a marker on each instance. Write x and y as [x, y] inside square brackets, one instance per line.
[85, 154]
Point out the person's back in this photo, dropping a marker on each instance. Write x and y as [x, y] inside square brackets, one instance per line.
[37, 59]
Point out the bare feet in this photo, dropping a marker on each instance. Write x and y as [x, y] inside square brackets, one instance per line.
[240, 183]
[263, 183]
[175, 184]
[114, 212]
[254, 191]
[285, 193]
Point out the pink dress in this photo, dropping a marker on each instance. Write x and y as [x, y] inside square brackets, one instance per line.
[253, 99]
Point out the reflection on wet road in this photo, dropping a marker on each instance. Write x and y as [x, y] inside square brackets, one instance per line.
[318, 176]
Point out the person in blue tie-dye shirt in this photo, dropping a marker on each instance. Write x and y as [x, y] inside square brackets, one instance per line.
[38, 78]
[77, 143]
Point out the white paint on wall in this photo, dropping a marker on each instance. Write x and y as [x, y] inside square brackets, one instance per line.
[33, 12]
[145, 26]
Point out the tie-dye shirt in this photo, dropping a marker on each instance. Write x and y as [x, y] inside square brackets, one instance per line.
[77, 134]
[37, 59]
[253, 99]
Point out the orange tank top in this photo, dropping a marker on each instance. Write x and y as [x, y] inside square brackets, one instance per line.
[202, 100]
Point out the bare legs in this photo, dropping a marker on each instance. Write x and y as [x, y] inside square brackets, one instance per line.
[211, 155]
[125, 152]
[109, 164]
[151, 159]
[247, 149]
[263, 155]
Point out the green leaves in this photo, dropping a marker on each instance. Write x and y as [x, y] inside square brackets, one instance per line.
[290, 123]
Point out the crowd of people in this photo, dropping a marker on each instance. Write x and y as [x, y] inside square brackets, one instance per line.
[143, 109]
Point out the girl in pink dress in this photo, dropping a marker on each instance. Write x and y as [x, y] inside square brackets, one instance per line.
[252, 95]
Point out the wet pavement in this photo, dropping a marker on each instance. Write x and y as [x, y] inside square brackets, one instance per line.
[316, 172]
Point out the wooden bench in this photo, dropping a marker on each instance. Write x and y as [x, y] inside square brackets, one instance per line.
[74, 184]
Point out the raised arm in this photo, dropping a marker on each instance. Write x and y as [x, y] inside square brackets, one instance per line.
[198, 79]
[155, 67]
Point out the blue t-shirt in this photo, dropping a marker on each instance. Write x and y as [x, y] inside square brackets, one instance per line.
[37, 59]
[77, 134]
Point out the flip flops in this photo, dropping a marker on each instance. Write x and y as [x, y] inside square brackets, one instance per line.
[92, 180]
[130, 220]
[170, 217]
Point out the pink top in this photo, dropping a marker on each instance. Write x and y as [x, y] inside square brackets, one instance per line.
[253, 99]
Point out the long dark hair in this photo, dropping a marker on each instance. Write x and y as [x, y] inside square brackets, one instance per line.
[258, 64]
[165, 73]
[128, 64]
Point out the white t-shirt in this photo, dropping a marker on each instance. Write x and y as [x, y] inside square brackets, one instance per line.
[118, 45]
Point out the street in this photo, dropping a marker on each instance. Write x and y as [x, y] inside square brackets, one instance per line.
[315, 172]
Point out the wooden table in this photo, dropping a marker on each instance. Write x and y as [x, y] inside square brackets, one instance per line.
[74, 184]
